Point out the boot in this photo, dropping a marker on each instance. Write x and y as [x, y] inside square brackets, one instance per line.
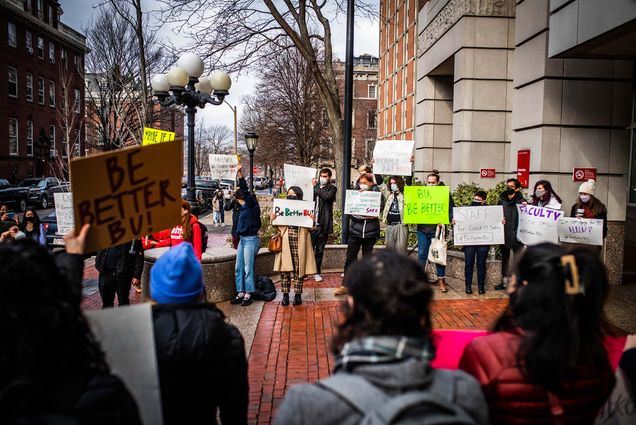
[442, 284]
[285, 300]
[480, 289]
[469, 288]
[297, 299]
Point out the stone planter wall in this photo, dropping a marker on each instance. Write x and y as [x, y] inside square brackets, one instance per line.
[218, 268]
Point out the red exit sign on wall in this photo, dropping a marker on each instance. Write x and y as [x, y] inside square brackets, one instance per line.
[583, 174]
[488, 173]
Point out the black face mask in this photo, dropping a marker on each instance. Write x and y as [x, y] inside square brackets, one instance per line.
[292, 197]
[30, 219]
[510, 191]
[476, 204]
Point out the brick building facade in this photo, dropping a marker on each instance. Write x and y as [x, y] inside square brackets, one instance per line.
[42, 57]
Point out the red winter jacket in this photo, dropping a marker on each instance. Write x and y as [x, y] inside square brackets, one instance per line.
[512, 400]
[174, 236]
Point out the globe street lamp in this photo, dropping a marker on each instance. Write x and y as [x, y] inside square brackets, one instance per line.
[191, 90]
[251, 140]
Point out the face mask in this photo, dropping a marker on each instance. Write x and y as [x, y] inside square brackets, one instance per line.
[30, 219]
[510, 191]
[394, 187]
[292, 197]
[585, 198]
[323, 181]
[477, 202]
[431, 184]
[364, 186]
[539, 193]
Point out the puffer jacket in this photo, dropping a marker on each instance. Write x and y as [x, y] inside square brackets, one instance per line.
[515, 401]
[365, 228]
[202, 365]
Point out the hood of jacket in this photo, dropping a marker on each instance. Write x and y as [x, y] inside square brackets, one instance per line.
[396, 376]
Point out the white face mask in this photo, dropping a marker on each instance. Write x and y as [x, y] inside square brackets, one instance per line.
[394, 187]
[323, 181]
[585, 198]
[364, 187]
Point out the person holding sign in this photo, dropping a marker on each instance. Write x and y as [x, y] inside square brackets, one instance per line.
[588, 206]
[247, 227]
[396, 234]
[189, 231]
[509, 199]
[324, 197]
[544, 196]
[426, 233]
[296, 259]
[364, 231]
[472, 251]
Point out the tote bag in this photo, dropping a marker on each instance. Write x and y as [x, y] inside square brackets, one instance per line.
[437, 251]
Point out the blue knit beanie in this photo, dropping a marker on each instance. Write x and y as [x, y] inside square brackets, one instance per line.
[177, 276]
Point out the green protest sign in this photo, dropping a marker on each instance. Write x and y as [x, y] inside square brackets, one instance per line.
[426, 204]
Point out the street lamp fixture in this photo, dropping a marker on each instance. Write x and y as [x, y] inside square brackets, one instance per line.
[251, 141]
[183, 85]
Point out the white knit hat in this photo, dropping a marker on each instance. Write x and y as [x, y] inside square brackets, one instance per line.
[588, 187]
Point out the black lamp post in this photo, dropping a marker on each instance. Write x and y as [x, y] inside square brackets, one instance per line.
[191, 90]
[251, 140]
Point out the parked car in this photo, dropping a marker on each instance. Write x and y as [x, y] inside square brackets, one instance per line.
[53, 240]
[207, 188]
[41, 190]
[260, 182]
[12, 196]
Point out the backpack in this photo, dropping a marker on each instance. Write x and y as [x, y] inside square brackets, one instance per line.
[265, 290]
[432, 405]
[204, 235]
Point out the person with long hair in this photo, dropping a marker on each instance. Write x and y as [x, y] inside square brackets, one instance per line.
[545, 361]
[33, 228]
[384, 349]
[396, 234]
[296, 259]
[543, 195]
[52, 370]
[588, 206]
[188, 231]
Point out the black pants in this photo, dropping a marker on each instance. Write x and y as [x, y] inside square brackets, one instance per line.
[109, 285]
[505, 258]
[355, 243]
[319, 240]
[481, 252]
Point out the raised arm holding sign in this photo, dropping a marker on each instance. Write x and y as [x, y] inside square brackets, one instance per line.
[393, 157]
[302, 177]
[426, 204]
[223, 167]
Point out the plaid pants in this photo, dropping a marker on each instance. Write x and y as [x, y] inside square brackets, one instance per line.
[288, 277]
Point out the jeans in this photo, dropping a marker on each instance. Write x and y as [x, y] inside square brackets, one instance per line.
[109, 286]
[319, 240]
[217, 217]
[353, 247]
[245, 259]
[423, 245]
[470, 251]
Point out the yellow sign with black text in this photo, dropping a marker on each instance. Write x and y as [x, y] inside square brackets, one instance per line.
[153, 136]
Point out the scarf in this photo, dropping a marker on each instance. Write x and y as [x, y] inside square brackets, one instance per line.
[384, 349]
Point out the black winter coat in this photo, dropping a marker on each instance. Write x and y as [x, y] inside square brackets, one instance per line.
[324, 197]
[128, 265]
[202, 365]
[512, 218]
[366, 228]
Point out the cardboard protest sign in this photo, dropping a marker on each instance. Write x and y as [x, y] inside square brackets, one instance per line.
[131, 354]
[393, 157]
[587, 231]
[537, 224]
[363, 203]
[300, 176]
[223, 166]
[153, 136]
[64, 212]
[426, 204]
[293, 213]
[478, 225]
[127, 193]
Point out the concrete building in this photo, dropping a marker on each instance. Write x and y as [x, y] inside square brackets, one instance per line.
[552, 77]
[43, 75]
[396, 90]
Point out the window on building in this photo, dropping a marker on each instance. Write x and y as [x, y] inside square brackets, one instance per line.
[51, 15]
[52, 93]
[41, 90]
[78, 101]
[51, 52]
[13, 136]
[12, 35]
[372, 89]
[41, 9]
[28, 42]
[40, 47]
[63, 55]
[29, 88]
[52, 135]
[27, 5]
[64, 143]
[372, 119]
[77, 60]
[13, 82]
[29, 138]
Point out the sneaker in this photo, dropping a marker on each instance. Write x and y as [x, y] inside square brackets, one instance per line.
[340, 291]
[236, 300]
[246, 301]
[342, 275]
[500, 287]
[297, 299]
[222, 224]
[317, 278]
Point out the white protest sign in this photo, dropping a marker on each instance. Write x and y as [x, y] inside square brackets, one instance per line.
[393, 157]
[478, 225]
[223, 166]
[131, 354]
[64, 212]
[587, 231]
[537, 225]
[363, 203]
[296, 175]
[293, 213]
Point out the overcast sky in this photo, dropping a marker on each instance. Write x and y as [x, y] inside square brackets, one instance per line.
[78, 13]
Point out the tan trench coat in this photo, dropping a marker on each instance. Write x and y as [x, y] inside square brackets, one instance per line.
[306, 260]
